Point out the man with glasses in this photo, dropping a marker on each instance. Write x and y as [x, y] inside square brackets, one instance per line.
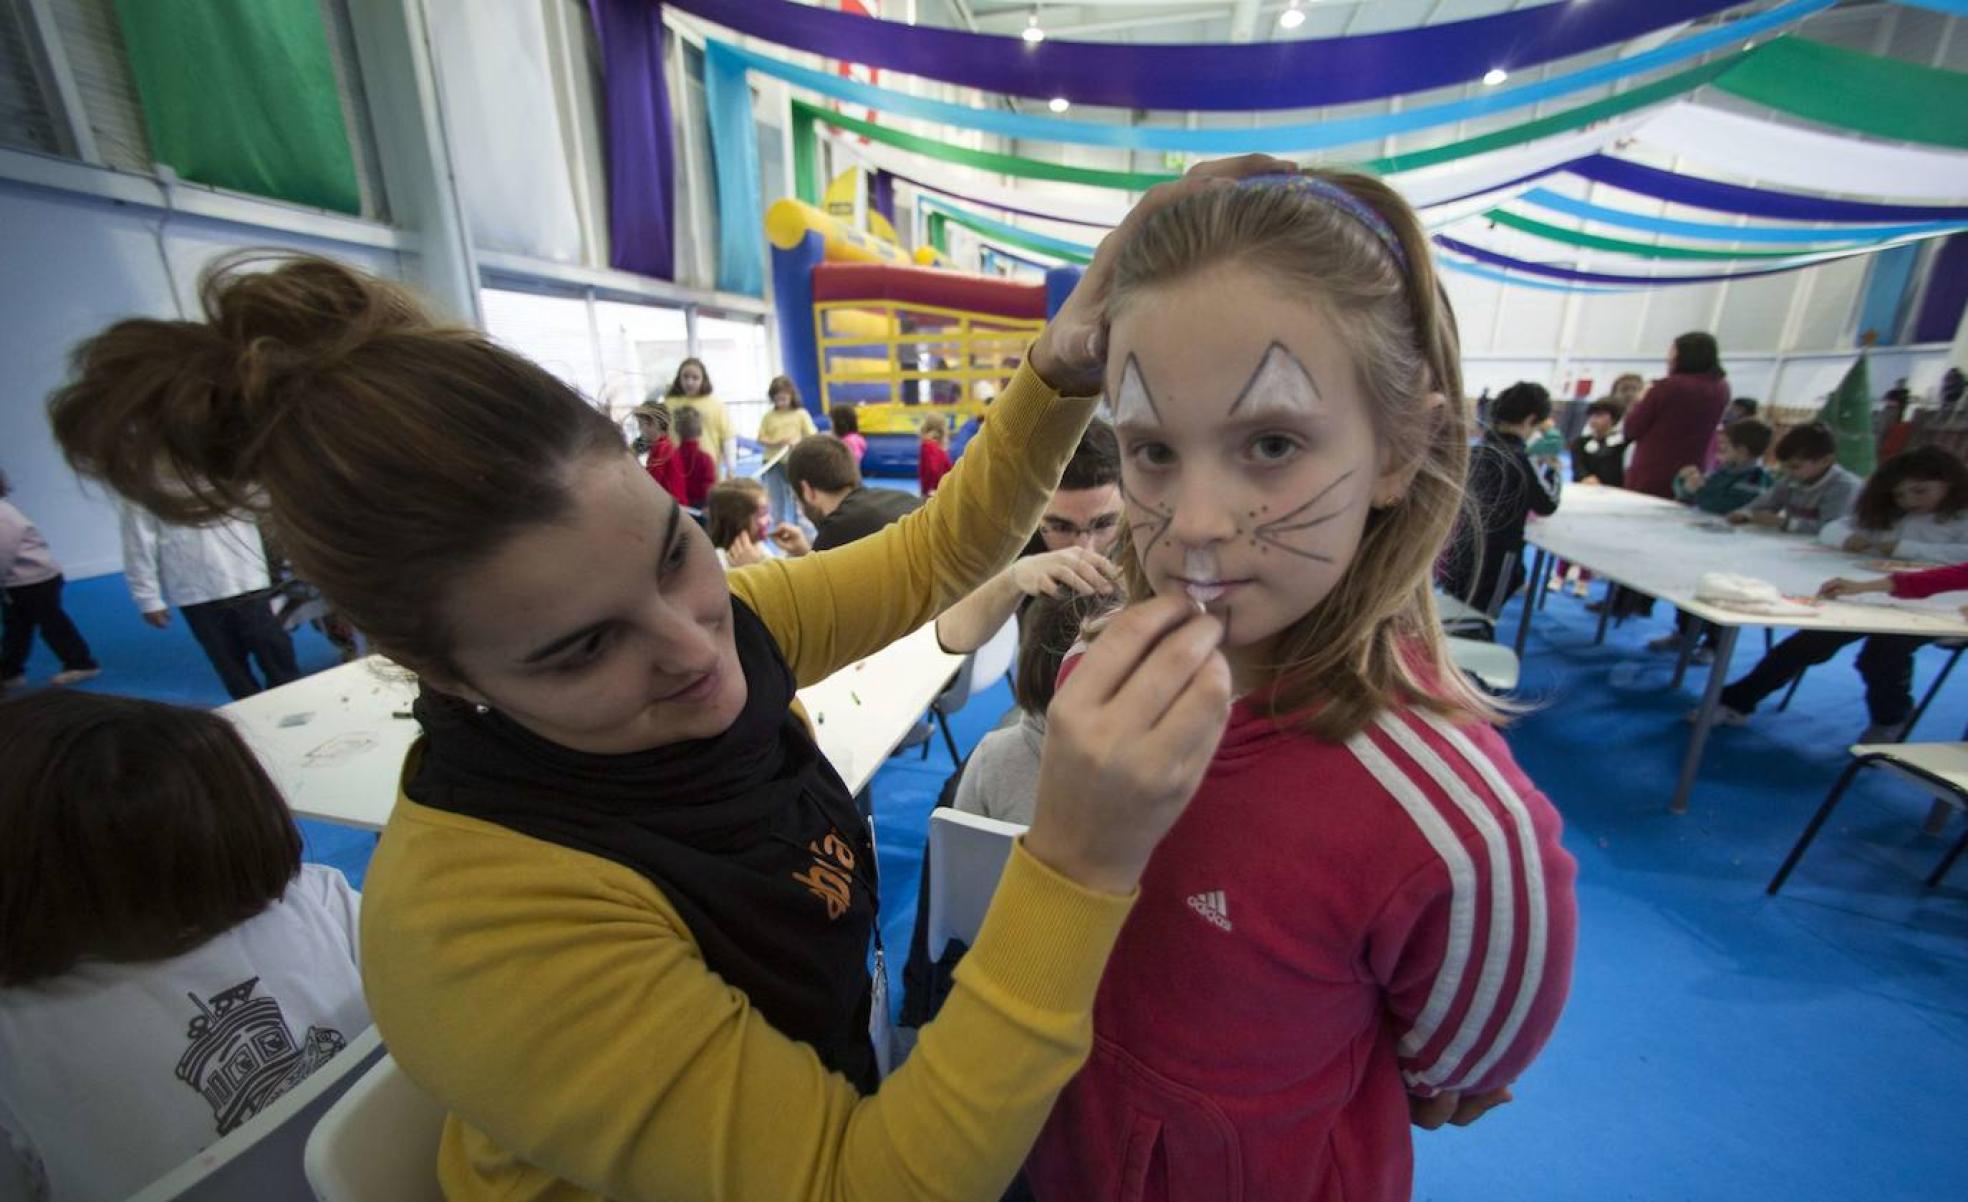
[1067, 555]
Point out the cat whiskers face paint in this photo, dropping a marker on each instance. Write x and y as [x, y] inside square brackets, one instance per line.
[1247, 449]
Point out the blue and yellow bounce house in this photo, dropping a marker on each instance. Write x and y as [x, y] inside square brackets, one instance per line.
[862, 323]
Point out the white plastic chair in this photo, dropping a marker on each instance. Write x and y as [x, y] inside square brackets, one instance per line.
[967, 855]
[1939, 768]
[980, 670]
[1493, 665]
[378, 1143]
[261, 1160]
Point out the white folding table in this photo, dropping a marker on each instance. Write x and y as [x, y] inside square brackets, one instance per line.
[1662, 549]
[334, 742]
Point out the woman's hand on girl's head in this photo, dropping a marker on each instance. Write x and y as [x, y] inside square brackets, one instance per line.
[1128, 737]
[1070, 354]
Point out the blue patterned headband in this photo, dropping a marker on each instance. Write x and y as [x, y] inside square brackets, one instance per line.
[1339, 198]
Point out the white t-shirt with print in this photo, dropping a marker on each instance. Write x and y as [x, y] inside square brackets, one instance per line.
[112, 1075]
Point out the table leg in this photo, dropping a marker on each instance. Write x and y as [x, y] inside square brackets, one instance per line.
[1542, 568]
[1688, 646]
[1725, 646]
[1530, 600]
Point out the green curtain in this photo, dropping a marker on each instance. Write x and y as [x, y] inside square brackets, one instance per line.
[1559, 123]
[1849, 414]
[1003, 164]
[241, 94]
[806, 158]
[938, 227]
[999, 231]
[1886, 97]
[1645, 250]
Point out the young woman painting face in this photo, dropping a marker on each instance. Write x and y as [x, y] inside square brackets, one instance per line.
[640, 655]
[1248, 458]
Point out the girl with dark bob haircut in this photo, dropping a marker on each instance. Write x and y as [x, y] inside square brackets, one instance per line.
[168, 966]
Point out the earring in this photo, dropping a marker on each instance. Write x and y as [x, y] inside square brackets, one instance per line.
[481, 709]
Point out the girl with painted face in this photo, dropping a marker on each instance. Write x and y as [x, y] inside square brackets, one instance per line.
[618, 924]
[1365, 918]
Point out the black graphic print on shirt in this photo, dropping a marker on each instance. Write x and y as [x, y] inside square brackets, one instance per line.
[242, 1055]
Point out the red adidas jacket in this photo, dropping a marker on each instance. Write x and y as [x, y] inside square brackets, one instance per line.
[1327, 928]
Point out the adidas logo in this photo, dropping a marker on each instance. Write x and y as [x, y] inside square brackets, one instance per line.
[1213, 906]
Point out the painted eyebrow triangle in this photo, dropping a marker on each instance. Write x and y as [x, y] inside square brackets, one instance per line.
[1266, 363]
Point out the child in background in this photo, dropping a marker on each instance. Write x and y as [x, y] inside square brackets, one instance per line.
[1814, 489]
[653, 419]
[33, 582]
[1599, 452]
[1485, 564]
[691, 389]
[1598, 457]
[1912, 508]
[1001, 778]
[1739, 476]
[1741, 409]
[694, 462]
[1365, 918]
[738, 518]
[784, 425]
[846, 421]
[933, 461]
[168, 966]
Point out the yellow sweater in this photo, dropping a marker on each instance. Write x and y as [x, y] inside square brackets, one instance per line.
[784, 427]
[558, 1006]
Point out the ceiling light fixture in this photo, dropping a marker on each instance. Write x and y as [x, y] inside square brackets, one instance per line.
[1292, 17]
[1495, 76]
[1033, 33]
[1059, 104]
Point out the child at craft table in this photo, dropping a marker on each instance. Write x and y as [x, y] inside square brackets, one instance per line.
[1739, 478]
[1912, 507]
[1814, 489]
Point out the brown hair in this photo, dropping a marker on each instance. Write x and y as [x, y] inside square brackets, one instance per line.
[688, 423]
[676, 381]
[1374, 641]
[1751, 435]
[935, 426]
[1047, 631]
[730, 508]
[1878, 509]
[389, 452]
[129, 831]
[845, 419]
[1813, 440]
[823, 462]
[782, 384]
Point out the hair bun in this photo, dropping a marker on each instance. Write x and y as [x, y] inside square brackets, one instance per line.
[175, 415]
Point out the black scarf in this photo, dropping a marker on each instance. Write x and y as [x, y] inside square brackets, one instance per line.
[751, 835]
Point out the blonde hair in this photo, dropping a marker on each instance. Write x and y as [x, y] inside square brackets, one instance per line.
[935, 425]
[1375, 641]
